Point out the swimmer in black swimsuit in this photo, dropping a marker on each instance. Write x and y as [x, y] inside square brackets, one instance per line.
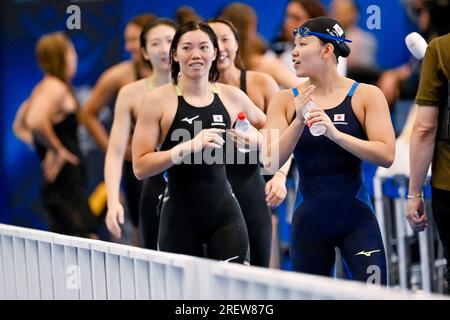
[187, 125]
[156, 38]
[253, 194]
[51, 118]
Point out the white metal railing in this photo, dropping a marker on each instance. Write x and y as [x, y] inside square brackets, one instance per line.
[42, 265]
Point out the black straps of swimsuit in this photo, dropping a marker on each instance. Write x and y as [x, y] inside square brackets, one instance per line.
[243, 81]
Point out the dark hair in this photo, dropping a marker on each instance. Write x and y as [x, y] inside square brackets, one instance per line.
[142, 19]
[150, 26]
[326, 25]
[341, 49]
[238, 60]
[439, 12]
[192, 26]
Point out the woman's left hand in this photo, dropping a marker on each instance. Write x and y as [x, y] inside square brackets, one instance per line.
[276, 190]
[319, 116]
[250, 139]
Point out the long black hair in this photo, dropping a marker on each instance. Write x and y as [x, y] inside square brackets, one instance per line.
[192, 26]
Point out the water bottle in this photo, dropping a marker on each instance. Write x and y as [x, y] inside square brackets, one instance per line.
[242, 126]
[316, 129]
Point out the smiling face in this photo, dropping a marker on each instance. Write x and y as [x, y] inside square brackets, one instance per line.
[195, 53]
[228, 45]
[157, 47]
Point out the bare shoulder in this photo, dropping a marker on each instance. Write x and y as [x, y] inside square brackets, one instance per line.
[366, 93]
[161, 97]
[55, 84]
[134, 88]
[51, 87]
[282, 102]
[118, 74]
[261, 79]
[229, 92]
[365, 89]
[120, 68]
[284, 96]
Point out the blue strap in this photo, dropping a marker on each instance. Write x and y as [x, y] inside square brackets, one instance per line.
[353, 88]
[295, 92]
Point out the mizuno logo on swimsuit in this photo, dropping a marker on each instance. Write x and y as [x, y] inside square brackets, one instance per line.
[186, 119]
[366, 253]
[229, 259]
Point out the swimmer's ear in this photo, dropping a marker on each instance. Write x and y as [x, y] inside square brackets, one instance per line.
[329, 50]
[145, 55]
[174, 55]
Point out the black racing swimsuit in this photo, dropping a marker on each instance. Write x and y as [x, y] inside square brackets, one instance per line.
[201, 209]
[66, 198]
[248, 185]
[152, 188]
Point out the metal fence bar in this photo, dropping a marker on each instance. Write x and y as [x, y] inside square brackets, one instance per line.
[41, 265]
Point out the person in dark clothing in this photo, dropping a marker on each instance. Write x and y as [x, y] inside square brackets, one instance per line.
[186, 126]
[51, 118]
[155, 43]
[106, 89]
[253, 194]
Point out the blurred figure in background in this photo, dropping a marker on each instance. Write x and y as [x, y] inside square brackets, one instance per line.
[432, 20]
[297, 12]
[253, 47]
[155, 39]
[20, 129]
[185, 14]
[106, 89]
[361, 63]
[51, 118]
[364, 45]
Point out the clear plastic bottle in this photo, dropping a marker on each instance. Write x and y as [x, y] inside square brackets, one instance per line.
[243, 126]
[316, 129]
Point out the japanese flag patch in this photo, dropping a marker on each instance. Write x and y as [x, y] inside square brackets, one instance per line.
[217, 118]
[339, 117]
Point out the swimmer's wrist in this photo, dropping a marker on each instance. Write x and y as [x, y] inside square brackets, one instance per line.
[282, 172]
[414, 195]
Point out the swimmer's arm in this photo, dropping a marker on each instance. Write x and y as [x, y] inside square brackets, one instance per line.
[422, 146]
[147, 161]
[117, 146]
[255, 116]
[270, 89]
[380, 147]
[20, 129]
[105, 88]
[280, 137]
[39, 117]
